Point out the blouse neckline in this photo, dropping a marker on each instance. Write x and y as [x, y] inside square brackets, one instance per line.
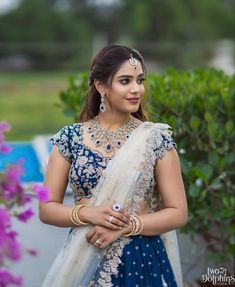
[95, 152]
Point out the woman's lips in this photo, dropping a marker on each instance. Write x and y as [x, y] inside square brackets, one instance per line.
[133, 100]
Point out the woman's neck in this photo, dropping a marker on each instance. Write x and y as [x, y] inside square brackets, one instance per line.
[112, 121]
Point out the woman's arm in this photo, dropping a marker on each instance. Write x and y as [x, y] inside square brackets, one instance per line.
[174, 215]
[55, 213]
[171, 187]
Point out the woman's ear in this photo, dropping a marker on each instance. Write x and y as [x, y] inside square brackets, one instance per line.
[100, 87]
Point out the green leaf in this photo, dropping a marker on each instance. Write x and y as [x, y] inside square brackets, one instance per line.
[208, 117]
[229, 159]
[229, 126]
[216, 184]
[194, 123]
[194, 190]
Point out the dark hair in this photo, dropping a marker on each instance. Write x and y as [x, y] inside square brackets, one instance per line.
[103, 68]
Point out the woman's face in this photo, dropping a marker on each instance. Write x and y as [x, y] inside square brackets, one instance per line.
[127, 88]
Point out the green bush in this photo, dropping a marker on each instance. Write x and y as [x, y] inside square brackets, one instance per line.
[199, 106]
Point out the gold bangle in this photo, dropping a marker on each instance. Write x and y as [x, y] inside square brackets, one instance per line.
[137, 225]
[133, 227]
[140, 227]
[130, 233]
[74, 216]
[78, 207]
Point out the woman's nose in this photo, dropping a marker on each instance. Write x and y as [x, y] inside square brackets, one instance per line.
[135, 87]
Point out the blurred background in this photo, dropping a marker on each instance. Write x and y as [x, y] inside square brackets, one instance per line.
[44, 42]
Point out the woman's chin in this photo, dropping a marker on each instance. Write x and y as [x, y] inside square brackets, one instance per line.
[133, 109]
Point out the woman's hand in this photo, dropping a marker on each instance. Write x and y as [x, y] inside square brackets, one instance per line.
[101, 237]
[104, 215]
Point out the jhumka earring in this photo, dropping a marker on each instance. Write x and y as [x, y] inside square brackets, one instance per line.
[102, 104]
[133, 61]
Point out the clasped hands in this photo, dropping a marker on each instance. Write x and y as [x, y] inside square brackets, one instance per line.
[109, 224]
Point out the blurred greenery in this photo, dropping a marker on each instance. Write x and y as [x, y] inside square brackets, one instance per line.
[199, 106]
[62, 34]
[28, 103]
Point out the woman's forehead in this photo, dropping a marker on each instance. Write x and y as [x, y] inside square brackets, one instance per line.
[127, 69]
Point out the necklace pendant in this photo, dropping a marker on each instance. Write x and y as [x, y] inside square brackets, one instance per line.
[98, 142]
[108, 148]
[93, 137]
[118, 143]
[89, 130]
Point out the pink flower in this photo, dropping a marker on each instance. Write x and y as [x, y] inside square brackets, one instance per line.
[11, 185]
[27, 199]
[32, 252]
[15, 171]
[42, 192]
[9, 246]
[25, 215]
[4, 126]
[5, 219]
[13, 248]
[7, 279]
[5, 148]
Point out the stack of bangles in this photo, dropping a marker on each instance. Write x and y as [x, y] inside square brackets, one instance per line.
[74, 215]
[137, 225]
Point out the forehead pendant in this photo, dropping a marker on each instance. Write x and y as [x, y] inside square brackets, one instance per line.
[133, 61]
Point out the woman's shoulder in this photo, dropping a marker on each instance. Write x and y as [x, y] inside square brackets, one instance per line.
[71, 129]
[66, 138]
[160, 127]
[67, 133]
[161, 137]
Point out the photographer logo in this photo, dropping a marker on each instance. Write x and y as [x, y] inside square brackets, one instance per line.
[218, 276]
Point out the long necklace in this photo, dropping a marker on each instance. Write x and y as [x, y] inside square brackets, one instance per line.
[110, 139]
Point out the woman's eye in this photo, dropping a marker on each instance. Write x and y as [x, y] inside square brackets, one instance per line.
[124, 81]
[140, 81]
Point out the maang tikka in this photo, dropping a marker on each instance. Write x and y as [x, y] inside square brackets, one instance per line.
[133, 61]
[102, 104]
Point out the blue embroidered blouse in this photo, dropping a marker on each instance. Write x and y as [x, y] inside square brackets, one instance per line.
[87, 164]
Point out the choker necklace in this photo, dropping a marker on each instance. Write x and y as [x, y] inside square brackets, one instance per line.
[110, 139]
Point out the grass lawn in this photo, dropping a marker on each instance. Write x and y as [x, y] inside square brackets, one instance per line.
[28, 101]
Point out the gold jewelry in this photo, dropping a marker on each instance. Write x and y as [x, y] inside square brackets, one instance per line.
[97, 241]
[137, 225]
[132, 228]
[74, 216]
[110, 219]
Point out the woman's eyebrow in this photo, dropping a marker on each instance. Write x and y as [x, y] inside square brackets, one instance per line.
[129, 76]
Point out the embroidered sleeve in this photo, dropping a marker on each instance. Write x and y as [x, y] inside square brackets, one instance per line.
[63, 140]
[164, 141]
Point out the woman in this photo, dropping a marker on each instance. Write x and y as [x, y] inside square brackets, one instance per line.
[126, 181]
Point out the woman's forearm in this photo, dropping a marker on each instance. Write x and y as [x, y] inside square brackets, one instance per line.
[163, 221]
[55, 214]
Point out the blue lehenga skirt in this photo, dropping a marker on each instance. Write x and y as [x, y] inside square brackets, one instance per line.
[144, 264]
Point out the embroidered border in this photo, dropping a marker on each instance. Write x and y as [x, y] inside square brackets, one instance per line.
[154, 143]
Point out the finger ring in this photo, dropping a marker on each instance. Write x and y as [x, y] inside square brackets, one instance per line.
[110, 219]
[116, 207]
[97, 241]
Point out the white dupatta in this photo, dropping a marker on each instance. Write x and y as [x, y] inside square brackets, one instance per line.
[124, 180]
